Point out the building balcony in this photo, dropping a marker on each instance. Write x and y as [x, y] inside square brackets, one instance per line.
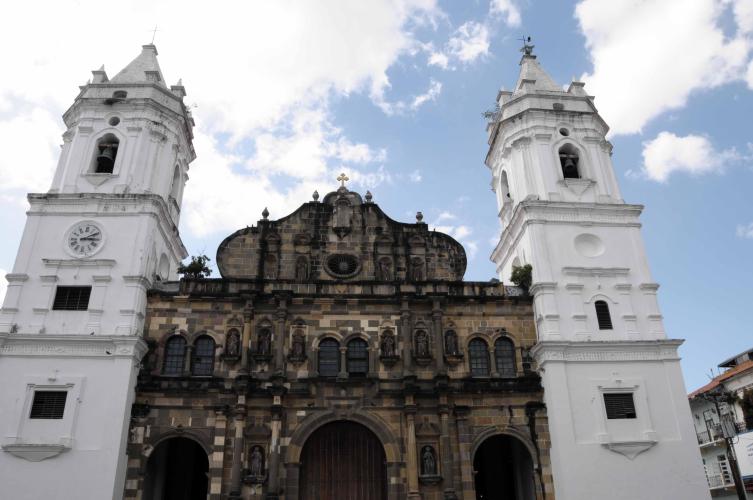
[718, 481]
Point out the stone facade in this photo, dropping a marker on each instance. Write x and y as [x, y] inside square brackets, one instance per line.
[271, 395]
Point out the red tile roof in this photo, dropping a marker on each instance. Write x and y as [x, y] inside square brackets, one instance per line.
[716, 381]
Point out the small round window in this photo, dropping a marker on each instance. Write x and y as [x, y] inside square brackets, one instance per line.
[564, 131]
[343, 265]
[114, 121]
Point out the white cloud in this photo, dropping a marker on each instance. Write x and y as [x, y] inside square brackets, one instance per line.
[435, 88]
[415, 176]
[745, 230]
[470, 41]
[439, 59]
[3, 285]
[694, 154]
[645, 64]
[461, 232]
[506, 8]
[401, 107]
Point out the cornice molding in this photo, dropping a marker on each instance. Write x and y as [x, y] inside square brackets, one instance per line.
[600, 351]
[72, 346]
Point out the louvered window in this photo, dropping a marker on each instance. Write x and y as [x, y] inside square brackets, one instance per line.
[619, 405]
[48, 404]
[602, 315]
[175, 356]
[358, 357]
[479, 357]
[504, 354]
[203, 356]
[72, 298]
[329, 358]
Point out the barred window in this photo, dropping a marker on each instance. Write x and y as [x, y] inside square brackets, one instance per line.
[504, 354]
[175, 356]
[72, 298]
[619, 405]
[329, 358]
[479, 358]
[602, 315]
[358, 357]
[203, 356]
[48, 404]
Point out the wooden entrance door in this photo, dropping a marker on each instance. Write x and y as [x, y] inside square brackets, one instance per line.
[343, 461]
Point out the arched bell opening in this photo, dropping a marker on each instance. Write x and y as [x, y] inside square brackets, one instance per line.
[106, 152]
[177, 469]
[569, 161]
[503, 469]
[344, 460]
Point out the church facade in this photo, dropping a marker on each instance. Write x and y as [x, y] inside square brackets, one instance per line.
[340, 354]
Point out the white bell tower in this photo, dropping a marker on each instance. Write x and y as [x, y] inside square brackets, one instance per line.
[618, 414]
[72, 319]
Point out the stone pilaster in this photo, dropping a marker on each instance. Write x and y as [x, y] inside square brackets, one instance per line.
[239, 423]
[436, 317]
[282, 315]
[406, 333]
[464, 446]
[248, 330]
[273, 484]
[412, 458]
[445, 450]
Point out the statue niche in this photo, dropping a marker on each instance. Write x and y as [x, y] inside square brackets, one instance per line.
[421, 347]
[342, 218]
[451, 347]
[388, 348]
[263, 345]
[301, 269]
[255, 472]
[384, 269]
[417, 271]
[428, 470]
[297, 347]
[233, 344]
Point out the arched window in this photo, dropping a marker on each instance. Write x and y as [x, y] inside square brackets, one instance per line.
[176, 185]
[329, 358]
[107, 150]
[602, 315]
[175, 356]
[358, 357]
[479, 358]
[203, 356]
[504, 357]
[569, 160]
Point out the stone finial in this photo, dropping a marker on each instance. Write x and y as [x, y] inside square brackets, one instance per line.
[265, 213]
[527, 48]
[100, 75]
[315, 195]
[369, 196]
[419, 217]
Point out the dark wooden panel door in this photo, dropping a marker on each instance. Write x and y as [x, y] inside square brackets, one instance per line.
[343, 461]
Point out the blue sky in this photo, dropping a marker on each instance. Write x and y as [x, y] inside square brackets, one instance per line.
[288, 94]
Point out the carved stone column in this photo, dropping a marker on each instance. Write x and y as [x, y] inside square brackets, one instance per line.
[343, 362]
[436, 317]
[464, 446]
[445, 449]
[248, 330]
[412, 458]
[239, 422]
[273, 485]
[282, 315]
[406, 334]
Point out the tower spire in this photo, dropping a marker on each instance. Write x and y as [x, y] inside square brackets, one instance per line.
[143, 69]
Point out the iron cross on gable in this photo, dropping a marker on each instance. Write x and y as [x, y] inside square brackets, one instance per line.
[343, 178]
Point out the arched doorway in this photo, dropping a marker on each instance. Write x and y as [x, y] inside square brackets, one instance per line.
[503, 470]
[343, 460]
[177, 470]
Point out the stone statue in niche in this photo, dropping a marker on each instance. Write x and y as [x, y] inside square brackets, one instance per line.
[342, 217]
[270, 267]
[422, 344]
[298, 347]
[428, 461]
[417, 269]
[302, 269]
[233, 343]
[263, 342]
[388, 344]
[384, 269]
[256, 462]
[451, 343]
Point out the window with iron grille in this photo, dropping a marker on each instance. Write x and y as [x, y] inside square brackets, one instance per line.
[504, 354]
[72, 298]
[329, 358]
[619, 405]
[479, 358]
[48, 404]
[358, 357]
[602, 315]
[175, 356]
[203, 356]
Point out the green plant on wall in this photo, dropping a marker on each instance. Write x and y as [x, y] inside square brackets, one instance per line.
[522, 276]
[197, 268]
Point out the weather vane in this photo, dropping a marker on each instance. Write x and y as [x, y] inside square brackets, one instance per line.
[154, 33]
[343, 178]
[527, 48]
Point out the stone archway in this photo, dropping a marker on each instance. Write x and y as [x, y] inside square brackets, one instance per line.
[504, 469]
[343, 460]
[177, 469]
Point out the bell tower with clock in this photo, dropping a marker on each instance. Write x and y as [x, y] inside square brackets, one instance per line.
[72, 319]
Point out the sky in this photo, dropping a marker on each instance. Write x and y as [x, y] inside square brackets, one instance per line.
[288, 94]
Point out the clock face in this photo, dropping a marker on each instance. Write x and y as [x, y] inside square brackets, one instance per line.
[85, 238]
